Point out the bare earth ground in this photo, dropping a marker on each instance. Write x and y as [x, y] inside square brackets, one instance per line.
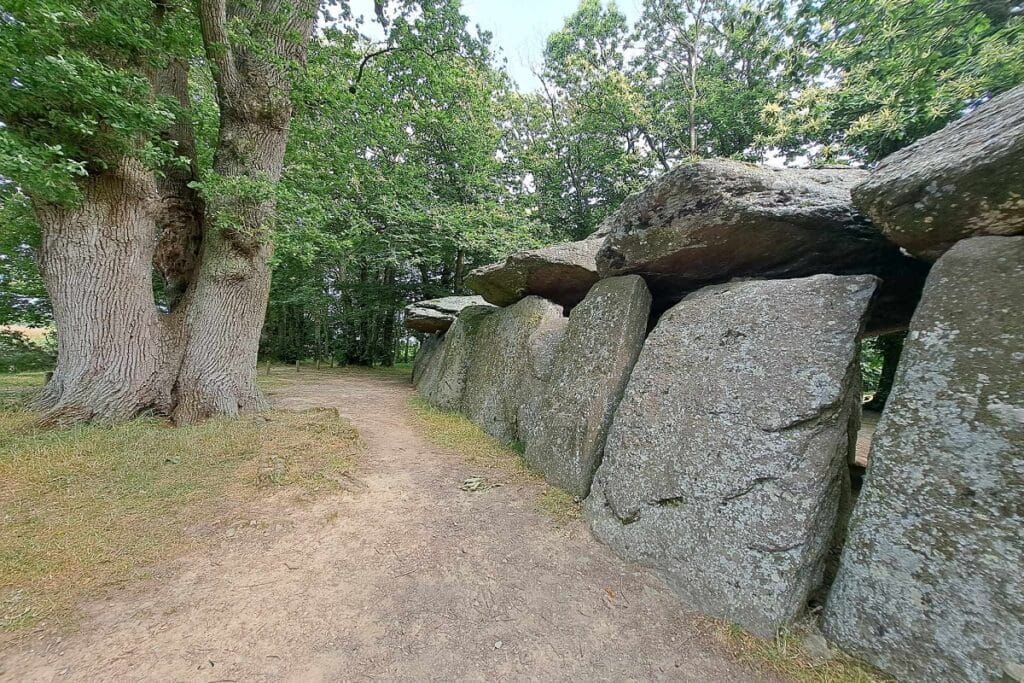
[406, 577]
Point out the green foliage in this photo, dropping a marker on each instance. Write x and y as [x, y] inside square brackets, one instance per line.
[229, 198]
[871, 362]
[76, 95]
[414, 159]
[391, 193]
[22, 295]
[583, 147]
[879, 75]
[708, 69]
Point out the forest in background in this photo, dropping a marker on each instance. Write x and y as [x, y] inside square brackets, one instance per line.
[414, 159]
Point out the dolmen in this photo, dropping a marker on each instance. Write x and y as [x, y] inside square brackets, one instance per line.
[690, 372]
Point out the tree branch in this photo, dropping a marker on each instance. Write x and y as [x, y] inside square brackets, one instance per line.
[213, 22]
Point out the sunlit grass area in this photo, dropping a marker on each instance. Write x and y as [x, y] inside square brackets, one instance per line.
[90, 507]
[278, 376]
[17, 388]
[786, 654]
[34, 334]
[457, 433]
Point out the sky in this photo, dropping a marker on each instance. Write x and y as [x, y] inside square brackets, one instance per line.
[520, 27]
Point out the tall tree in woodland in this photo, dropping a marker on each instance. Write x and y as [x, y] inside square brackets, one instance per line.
[394, 185]
[98, 136]
[708, 68]
[588, 141]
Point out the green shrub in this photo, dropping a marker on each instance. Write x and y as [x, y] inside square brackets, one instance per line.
[18, 353]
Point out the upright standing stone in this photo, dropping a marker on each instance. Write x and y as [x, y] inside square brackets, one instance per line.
[726, 463]
[500, 363]
[931, 584]
[424, 356]
[443, 380]
[540, 358]
[590, 371]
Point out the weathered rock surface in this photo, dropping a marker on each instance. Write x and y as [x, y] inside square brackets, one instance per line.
[437, 315]
[930, 587]
[562, 273]
[591, 367]
[712, 221]
[424, 356]
[540, 358]
[443, 379]
[965, 180]
[503, 347]
[725, 466]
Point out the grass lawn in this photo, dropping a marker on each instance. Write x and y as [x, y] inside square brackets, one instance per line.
[90, 507]
[456, 432]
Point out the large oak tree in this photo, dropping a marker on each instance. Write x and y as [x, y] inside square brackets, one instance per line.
[97, 133]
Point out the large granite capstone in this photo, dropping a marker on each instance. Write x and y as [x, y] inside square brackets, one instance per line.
[931, 585]
[591, 367]
[725, 467]
[562, 273]
[437, 315]
[965, 180]
[712, 221]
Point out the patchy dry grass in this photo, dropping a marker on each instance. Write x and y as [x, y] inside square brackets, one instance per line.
[89, 507]
[398, 370]
[560, 504]
[457, 433]
[786, 655]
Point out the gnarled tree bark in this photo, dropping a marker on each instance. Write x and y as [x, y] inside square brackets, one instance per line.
[224, 310]
[116, 355]
[119, 354]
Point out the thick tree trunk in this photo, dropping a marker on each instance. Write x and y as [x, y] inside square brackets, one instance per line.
[116, 355]
[225, 306]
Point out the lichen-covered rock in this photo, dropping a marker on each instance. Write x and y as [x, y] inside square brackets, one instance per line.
[562, 273]
[424, 355]
[965, 180]
[725, 467]
[540, 357]
[443, 379]
[500, 363]
[437, 315]
[930, 586]
[712, 221]
[593, 362]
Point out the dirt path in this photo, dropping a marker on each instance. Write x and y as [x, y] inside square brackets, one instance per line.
[407, 578]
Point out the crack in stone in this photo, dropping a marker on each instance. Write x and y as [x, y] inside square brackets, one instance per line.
[765, 548]
[758, 481]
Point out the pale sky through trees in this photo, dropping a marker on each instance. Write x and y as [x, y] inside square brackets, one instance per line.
[520, 27]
